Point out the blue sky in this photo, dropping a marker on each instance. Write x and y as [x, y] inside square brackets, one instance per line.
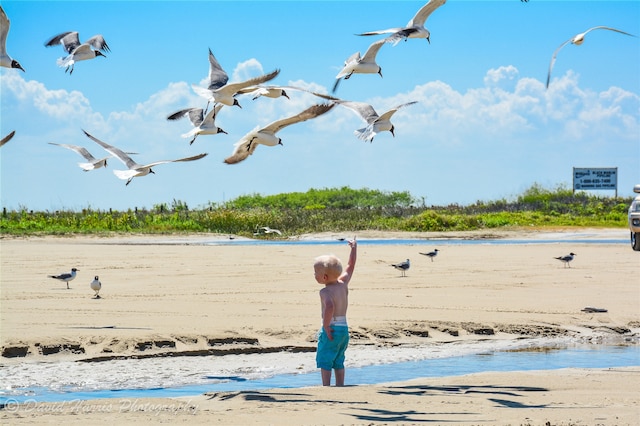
[484, 127]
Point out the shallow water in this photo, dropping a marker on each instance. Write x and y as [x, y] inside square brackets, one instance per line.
[187, 376]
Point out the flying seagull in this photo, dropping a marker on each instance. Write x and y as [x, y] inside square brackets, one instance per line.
[266, 230]
[66, 277]
[431, 254]
[267, 135]
[203, 124]
[356, 64]
[402, 267]
[220, 91]
[7, 138]
[92, 164]
[566, 259]
[134, 169]
[375, 123]
[267, 91]
[578, 40]
[77, 51]
[6, 60]
[414, 29]
[96, 285]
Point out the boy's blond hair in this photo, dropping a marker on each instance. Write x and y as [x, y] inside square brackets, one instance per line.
[330, 264]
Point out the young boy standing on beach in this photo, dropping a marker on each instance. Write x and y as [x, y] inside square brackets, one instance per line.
[334, 298]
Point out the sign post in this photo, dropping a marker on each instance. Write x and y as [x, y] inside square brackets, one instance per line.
[593, 179]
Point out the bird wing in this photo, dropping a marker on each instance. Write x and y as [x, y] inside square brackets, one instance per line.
[372, 51]
[424, 12]
[98, 42]
[4, 30]
[243, 148]
[387, 31]
[195, 157]
[128, 161]
[608, 28]
[217, 76]
[7, 138]
[71, 41]
[387, 115]
[79, 149]
[553, 59]
[179, 114]
[210, 118]
[233, 88]
[311, 112]
[59, 40]
[364, 110]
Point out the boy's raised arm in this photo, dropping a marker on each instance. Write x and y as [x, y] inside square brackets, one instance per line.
[351, 263]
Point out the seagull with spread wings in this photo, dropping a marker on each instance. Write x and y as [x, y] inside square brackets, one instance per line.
[578, 39]
[203, 124]
[77, 51]
[93, 162]
[135, 169]
[220, 90]
[414, 29]
[267, 135]
[356, 64]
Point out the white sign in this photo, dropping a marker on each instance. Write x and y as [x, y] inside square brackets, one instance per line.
[589, 179]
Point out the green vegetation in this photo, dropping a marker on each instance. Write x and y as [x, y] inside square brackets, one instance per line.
[332, 210]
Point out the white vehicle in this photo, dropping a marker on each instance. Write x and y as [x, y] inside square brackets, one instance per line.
[634, 220]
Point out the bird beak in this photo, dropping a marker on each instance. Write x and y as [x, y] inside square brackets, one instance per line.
[429, 40]
[222, 131]
[151, 171]
[380, 71]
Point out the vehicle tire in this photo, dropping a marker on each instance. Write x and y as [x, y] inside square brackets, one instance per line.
[635, 241]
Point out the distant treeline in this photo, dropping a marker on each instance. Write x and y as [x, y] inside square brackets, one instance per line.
[332, 210]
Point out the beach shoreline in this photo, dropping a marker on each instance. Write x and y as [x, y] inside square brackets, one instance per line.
[173, 295]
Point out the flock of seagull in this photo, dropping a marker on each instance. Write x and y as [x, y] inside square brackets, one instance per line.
[220, 92]
[403, 267]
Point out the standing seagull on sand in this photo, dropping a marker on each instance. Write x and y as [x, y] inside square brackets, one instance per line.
[78, 51]
[578, 40]
[375, 123]
[402, 267]
[92, 164]
[96, 285]
[7, 138]
[355, 64]
[414, 29]
[267, 135]
[566, 259]
[431, 254]
[66, 277]
[203, 124]
[219, 91]
[135, 169]
[6, 60]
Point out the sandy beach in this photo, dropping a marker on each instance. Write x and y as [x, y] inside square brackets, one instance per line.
[171, 295]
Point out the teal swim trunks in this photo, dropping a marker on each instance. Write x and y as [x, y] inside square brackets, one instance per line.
[330, 354]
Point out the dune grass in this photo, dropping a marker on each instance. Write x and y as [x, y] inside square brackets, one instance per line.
[331, 210]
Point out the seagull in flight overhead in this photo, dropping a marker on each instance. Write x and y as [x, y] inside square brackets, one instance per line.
[66, 277]
[77, 51]
[6, 60]
[203, 124]
[375, 123]
[267, 135]
[220, 91]
[134, 169]
[566, 259]
[414, 29]
[578, 40]
[402, 267]
[267, 91]
[431, 254]
[355, 64]
[92, 164]
[7, 138]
